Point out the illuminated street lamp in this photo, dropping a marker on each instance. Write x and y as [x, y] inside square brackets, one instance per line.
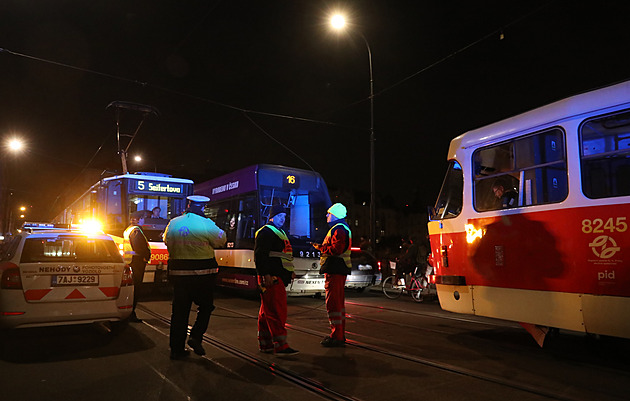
[15, 145]
[338, 22]
[138, 159]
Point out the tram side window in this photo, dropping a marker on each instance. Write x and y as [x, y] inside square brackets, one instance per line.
[222, 213]
[237, 218]
[530, 170]
[450, 199]
[605, 156]
[115, 219]
[246, 222]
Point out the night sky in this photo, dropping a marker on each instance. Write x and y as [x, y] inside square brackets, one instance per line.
[226, 75]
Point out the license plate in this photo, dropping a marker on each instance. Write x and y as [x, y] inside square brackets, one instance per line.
[310, 281]
[75, 279]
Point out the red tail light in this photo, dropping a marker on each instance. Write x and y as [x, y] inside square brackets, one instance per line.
[10, 276]
[127, 278]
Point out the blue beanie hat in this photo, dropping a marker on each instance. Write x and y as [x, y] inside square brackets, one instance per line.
[338, 210]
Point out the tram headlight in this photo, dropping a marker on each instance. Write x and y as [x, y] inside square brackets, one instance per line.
[473, 233]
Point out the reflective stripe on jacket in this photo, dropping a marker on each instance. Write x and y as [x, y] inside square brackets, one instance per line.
[128, 251]
[345, 256]
[287, 253]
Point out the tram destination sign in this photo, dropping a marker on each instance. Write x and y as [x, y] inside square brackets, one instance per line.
[156, 187]
[235, 183]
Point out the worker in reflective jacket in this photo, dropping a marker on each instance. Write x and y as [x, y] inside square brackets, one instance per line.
[136, 252]
[192, 269]
[335, 264]
[273, 256]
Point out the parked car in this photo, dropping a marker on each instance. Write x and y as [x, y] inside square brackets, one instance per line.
[53, 277]
[365, 270]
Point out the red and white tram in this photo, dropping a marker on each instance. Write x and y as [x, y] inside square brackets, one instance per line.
[531, 224]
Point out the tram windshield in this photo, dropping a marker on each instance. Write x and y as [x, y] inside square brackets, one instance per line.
[305, 210]
[156, 211]
[303, 194]
[449, 202]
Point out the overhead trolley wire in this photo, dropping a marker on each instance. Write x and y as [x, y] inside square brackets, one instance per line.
[145, 84]
[247, 112]
[498, 31]
[276, 115]
[168, 90]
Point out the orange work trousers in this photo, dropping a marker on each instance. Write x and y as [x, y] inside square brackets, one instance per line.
[335, 305]
[272, 317]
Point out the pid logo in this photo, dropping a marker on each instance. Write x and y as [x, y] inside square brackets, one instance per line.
[604, 247]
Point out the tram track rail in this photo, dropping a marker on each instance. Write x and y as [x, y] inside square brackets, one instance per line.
[274, 368]
[441, 316]
[435, 364]
[487, 323]
[457, 318]
[548, 391]
[414, 313]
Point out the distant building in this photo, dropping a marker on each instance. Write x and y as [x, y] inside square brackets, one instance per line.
[392, 220]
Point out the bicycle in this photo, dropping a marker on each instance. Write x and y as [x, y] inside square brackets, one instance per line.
[394, 286]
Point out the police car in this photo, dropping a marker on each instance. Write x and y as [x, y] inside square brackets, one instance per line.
[51, 276]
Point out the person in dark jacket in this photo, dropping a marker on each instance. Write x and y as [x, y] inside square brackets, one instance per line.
[137, 253]
[408, 260]
[506, 194]
[336, 264]
[273, 256]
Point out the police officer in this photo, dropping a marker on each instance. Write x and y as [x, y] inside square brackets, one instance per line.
[137, 253]
[273, 256]
[192, 268]
[335, 264]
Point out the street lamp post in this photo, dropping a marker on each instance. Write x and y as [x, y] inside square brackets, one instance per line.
[13, 146]
[338, 22]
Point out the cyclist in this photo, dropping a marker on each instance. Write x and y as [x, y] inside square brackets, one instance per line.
[406, 265]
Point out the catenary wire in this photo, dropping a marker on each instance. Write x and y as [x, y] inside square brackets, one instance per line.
[277, 115]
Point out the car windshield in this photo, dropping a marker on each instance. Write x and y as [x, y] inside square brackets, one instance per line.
[69, 249]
